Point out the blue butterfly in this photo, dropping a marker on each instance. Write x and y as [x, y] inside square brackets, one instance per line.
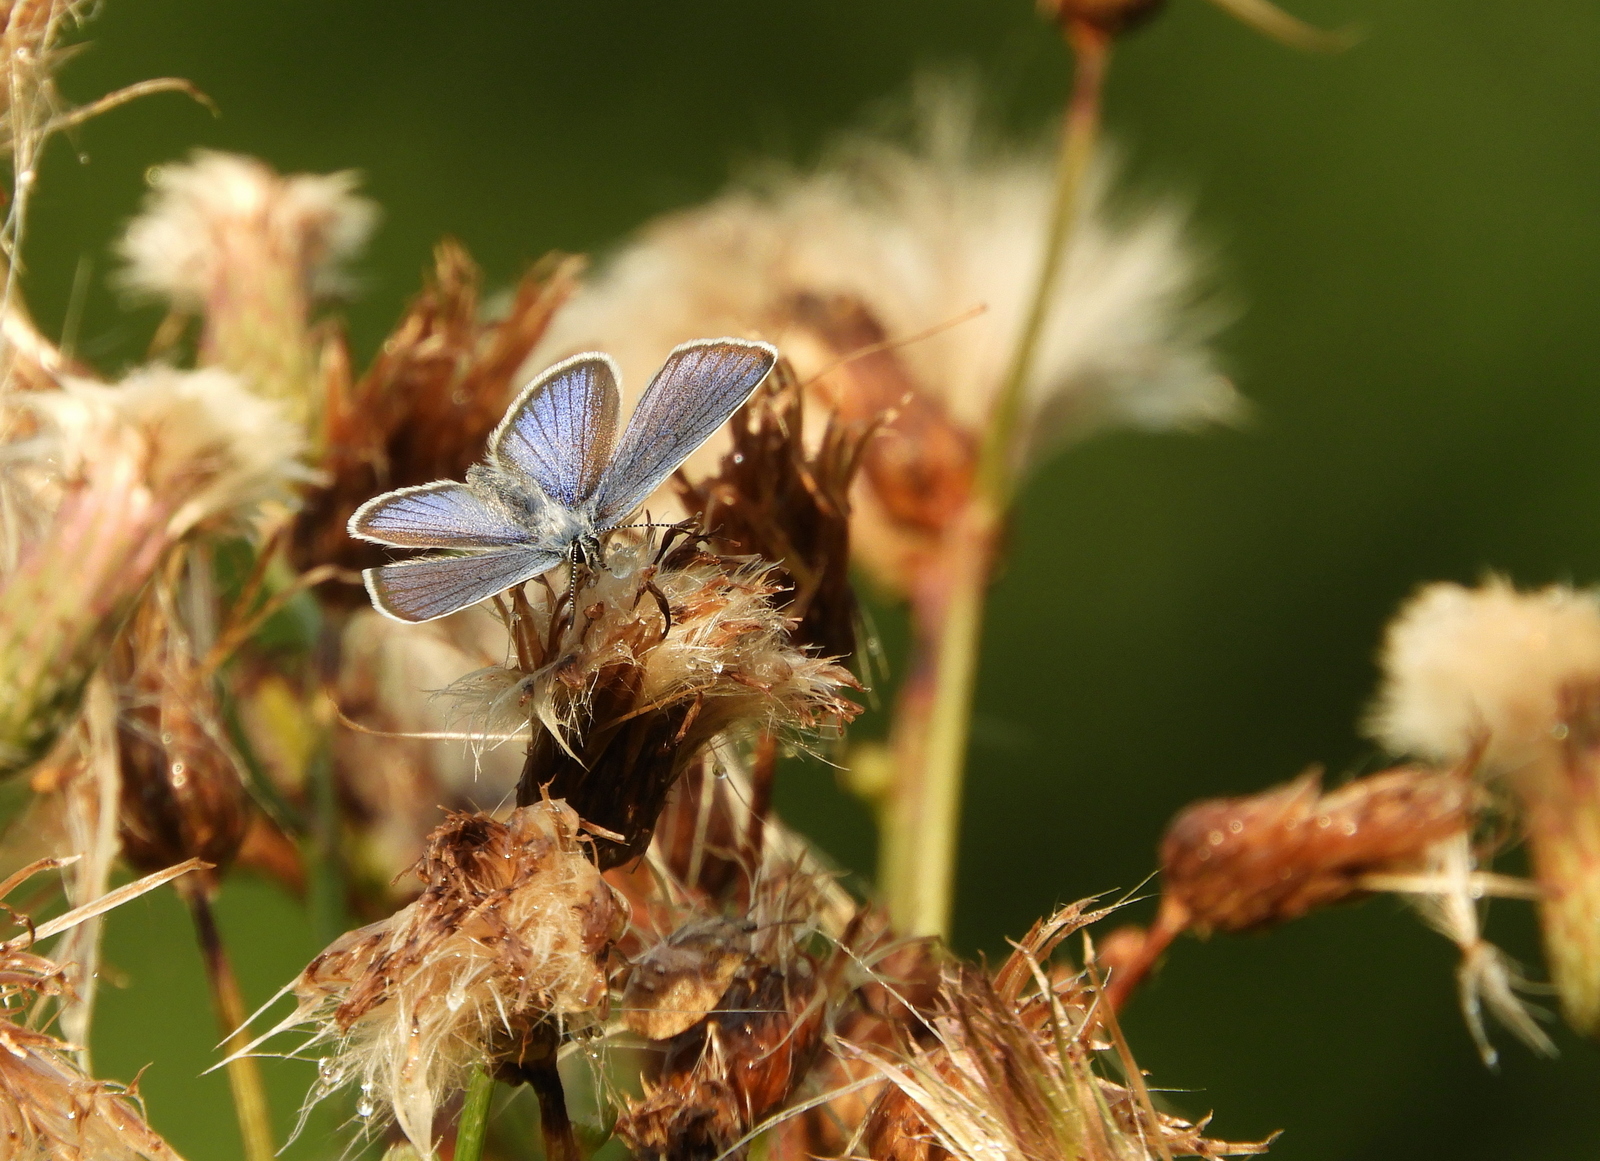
[555, 480]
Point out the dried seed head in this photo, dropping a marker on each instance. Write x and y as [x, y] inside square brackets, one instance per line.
[1013, 1071]
[886, 242]
[1238, 863]
[774, 498]
[183, 793]
[667, 649]
[1517, 676]
[424, 409]
[116, 476]
[1232, 864]
[511, 932]
[738, 1009]
[225, 235]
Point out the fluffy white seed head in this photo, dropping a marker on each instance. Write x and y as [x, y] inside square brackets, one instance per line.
[199, 436]
[1465, 668]
[921, 236]
[199, 211]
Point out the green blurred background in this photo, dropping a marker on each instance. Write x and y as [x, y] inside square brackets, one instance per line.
[1413, 231]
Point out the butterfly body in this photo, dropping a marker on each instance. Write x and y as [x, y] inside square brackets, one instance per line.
[556, 478]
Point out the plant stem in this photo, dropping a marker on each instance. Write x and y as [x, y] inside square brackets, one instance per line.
[473, 1126]
[244, 1077]
[922, 817]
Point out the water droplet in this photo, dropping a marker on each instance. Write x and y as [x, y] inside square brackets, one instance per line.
[738, 457]
[1559, 731]
[365, 1108]
[166, 737]
[1236, 826]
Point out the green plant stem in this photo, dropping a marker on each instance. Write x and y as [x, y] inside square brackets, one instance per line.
[923, 814]
[244, 1077]
[473, 1126]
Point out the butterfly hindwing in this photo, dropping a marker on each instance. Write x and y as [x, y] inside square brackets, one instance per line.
[699, 386]
[424, 590]
[440, 515]
[561, 429]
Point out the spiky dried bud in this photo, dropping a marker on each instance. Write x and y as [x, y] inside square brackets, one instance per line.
[662, 650]
[120, 474]
[775, 498]
[424, 409]
[183, 792]
[1233, 864]
[1012, 1072]
[1517, 676]
[224, 235]
[511, 933]
[887, 243]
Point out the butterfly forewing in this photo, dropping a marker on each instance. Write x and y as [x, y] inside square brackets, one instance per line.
[424, 590]
[441, 515]
[561, 429]
[697, 389]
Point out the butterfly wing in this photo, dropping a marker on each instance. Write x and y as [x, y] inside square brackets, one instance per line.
[697, 388]
[561, 429]
[424, 590]
[440, 515]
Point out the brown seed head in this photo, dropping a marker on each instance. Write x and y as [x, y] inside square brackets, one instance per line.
[774, 498]
[668, 648]
[183, 793]
[426, 406]
[739, 1009]
[1238, 863]
[511, 931]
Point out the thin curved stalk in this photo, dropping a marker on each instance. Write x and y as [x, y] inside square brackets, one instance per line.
[922, 819]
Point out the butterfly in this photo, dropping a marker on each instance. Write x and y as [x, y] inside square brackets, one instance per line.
[556, 478]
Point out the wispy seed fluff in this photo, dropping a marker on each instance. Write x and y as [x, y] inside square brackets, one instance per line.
[1465, 668]
[884, 241]
[512, 929]
[200, 213]
[1516, 676]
